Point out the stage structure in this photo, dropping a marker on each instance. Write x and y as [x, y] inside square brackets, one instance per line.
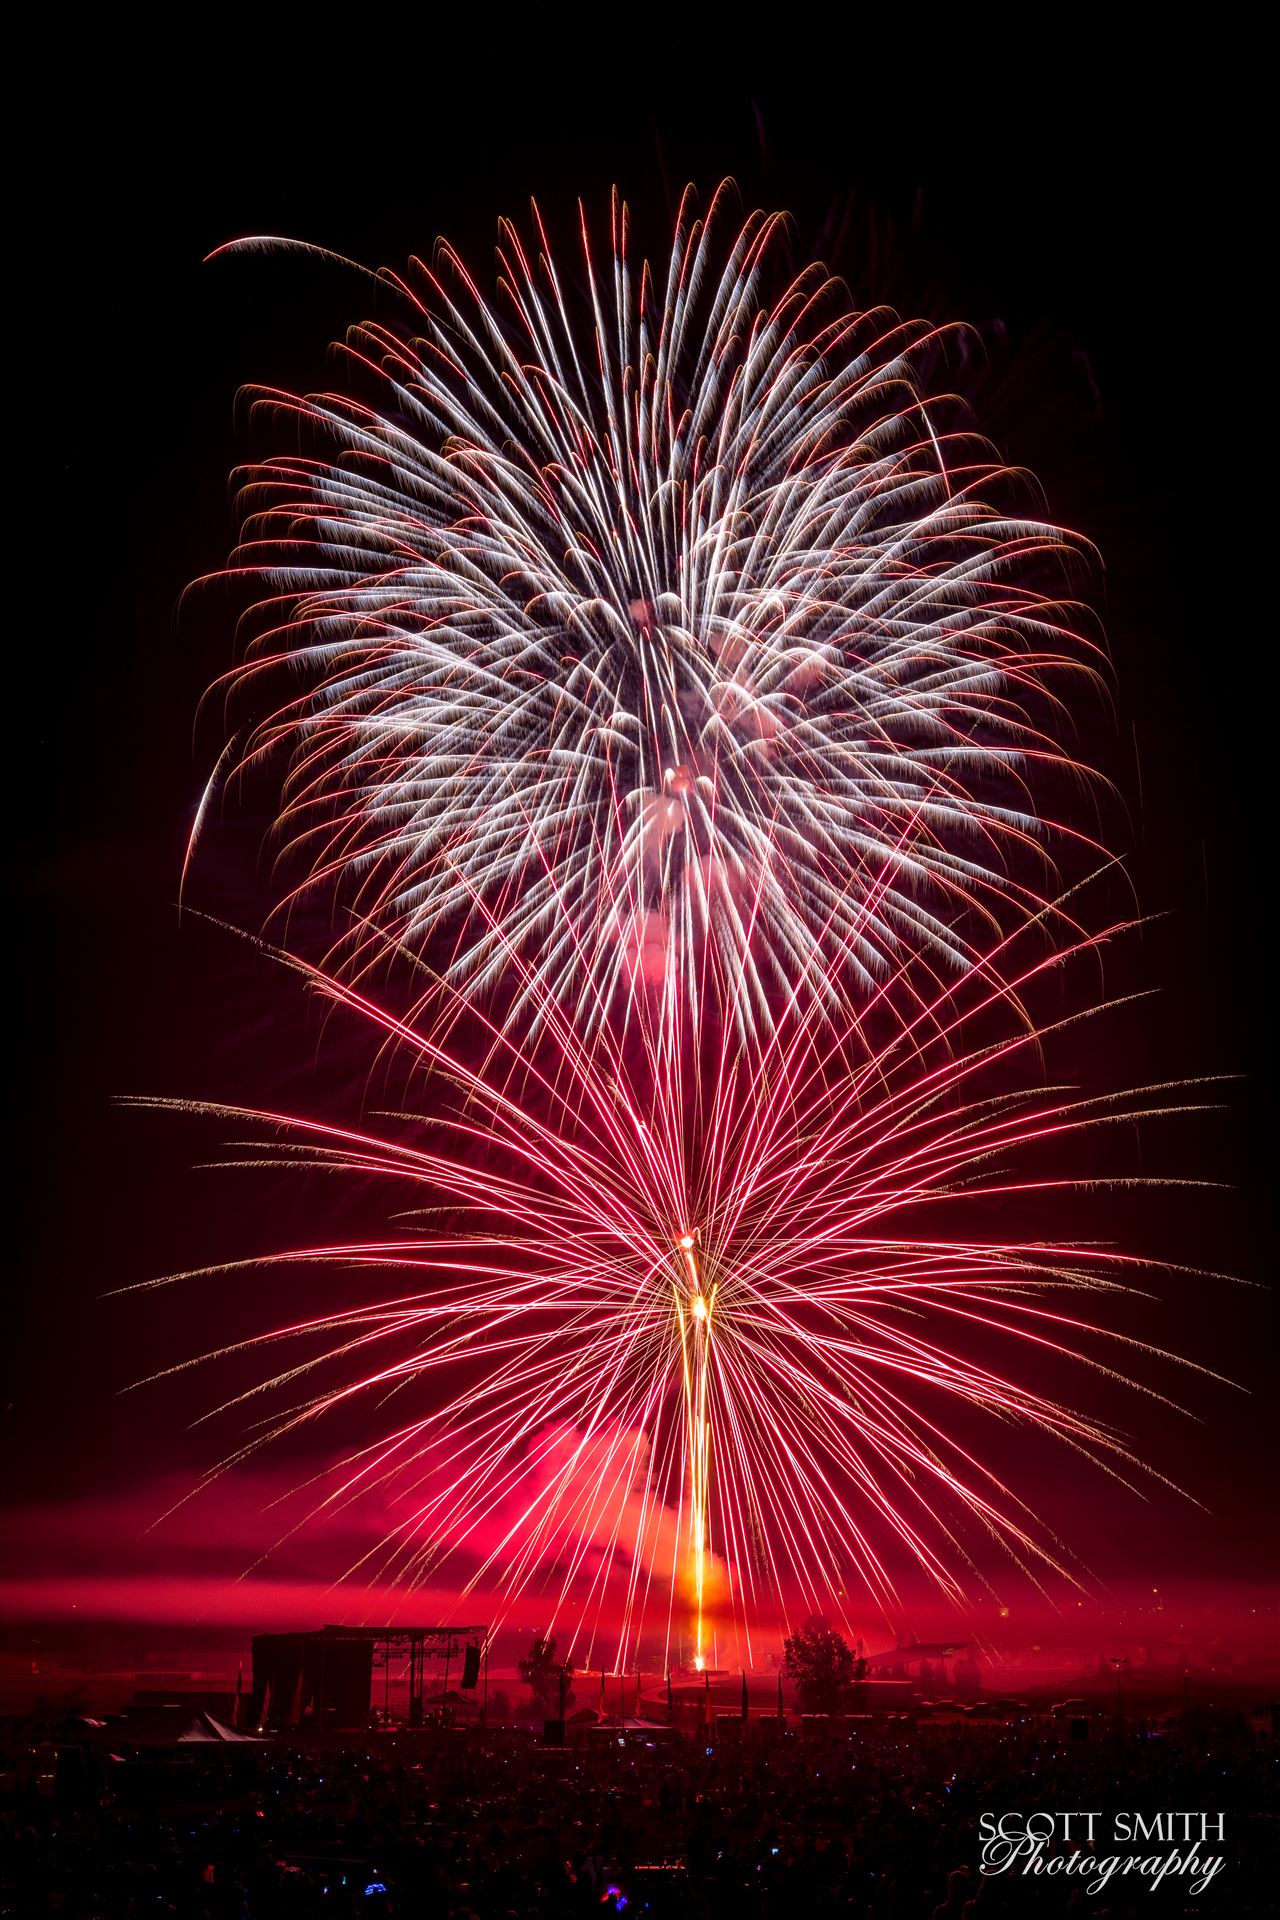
[325, 1677]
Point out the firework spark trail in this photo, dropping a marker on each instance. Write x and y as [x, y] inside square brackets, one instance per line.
[695, 1316]
[682, 631]
[655, 669]
[541, 1340]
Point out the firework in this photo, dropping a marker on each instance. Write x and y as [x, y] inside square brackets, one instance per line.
[637, 1284]
[661, 665]
[669, 622]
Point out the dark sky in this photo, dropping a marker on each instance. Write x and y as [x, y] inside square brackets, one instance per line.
[1097, 228]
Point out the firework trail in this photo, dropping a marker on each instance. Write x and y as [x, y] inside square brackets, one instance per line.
[633, 1288]
[658, 665]
[663, 620]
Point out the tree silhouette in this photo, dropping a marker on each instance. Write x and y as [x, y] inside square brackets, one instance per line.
[824, 1666]
[544, 1676]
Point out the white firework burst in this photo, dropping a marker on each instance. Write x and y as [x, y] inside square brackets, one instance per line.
[667, 633]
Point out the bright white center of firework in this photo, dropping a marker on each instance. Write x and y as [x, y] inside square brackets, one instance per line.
[699, 1664]
[699, 1307]
[686, 1242]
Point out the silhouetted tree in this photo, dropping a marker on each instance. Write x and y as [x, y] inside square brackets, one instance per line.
[824, 1666]
[544, 1676]
[858, 1692]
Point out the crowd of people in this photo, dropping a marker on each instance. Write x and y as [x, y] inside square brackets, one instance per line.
[879, 1821]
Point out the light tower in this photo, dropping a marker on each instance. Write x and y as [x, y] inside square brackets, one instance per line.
[694, 1312]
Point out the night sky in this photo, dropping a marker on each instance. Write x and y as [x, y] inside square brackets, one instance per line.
[1095, 231]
